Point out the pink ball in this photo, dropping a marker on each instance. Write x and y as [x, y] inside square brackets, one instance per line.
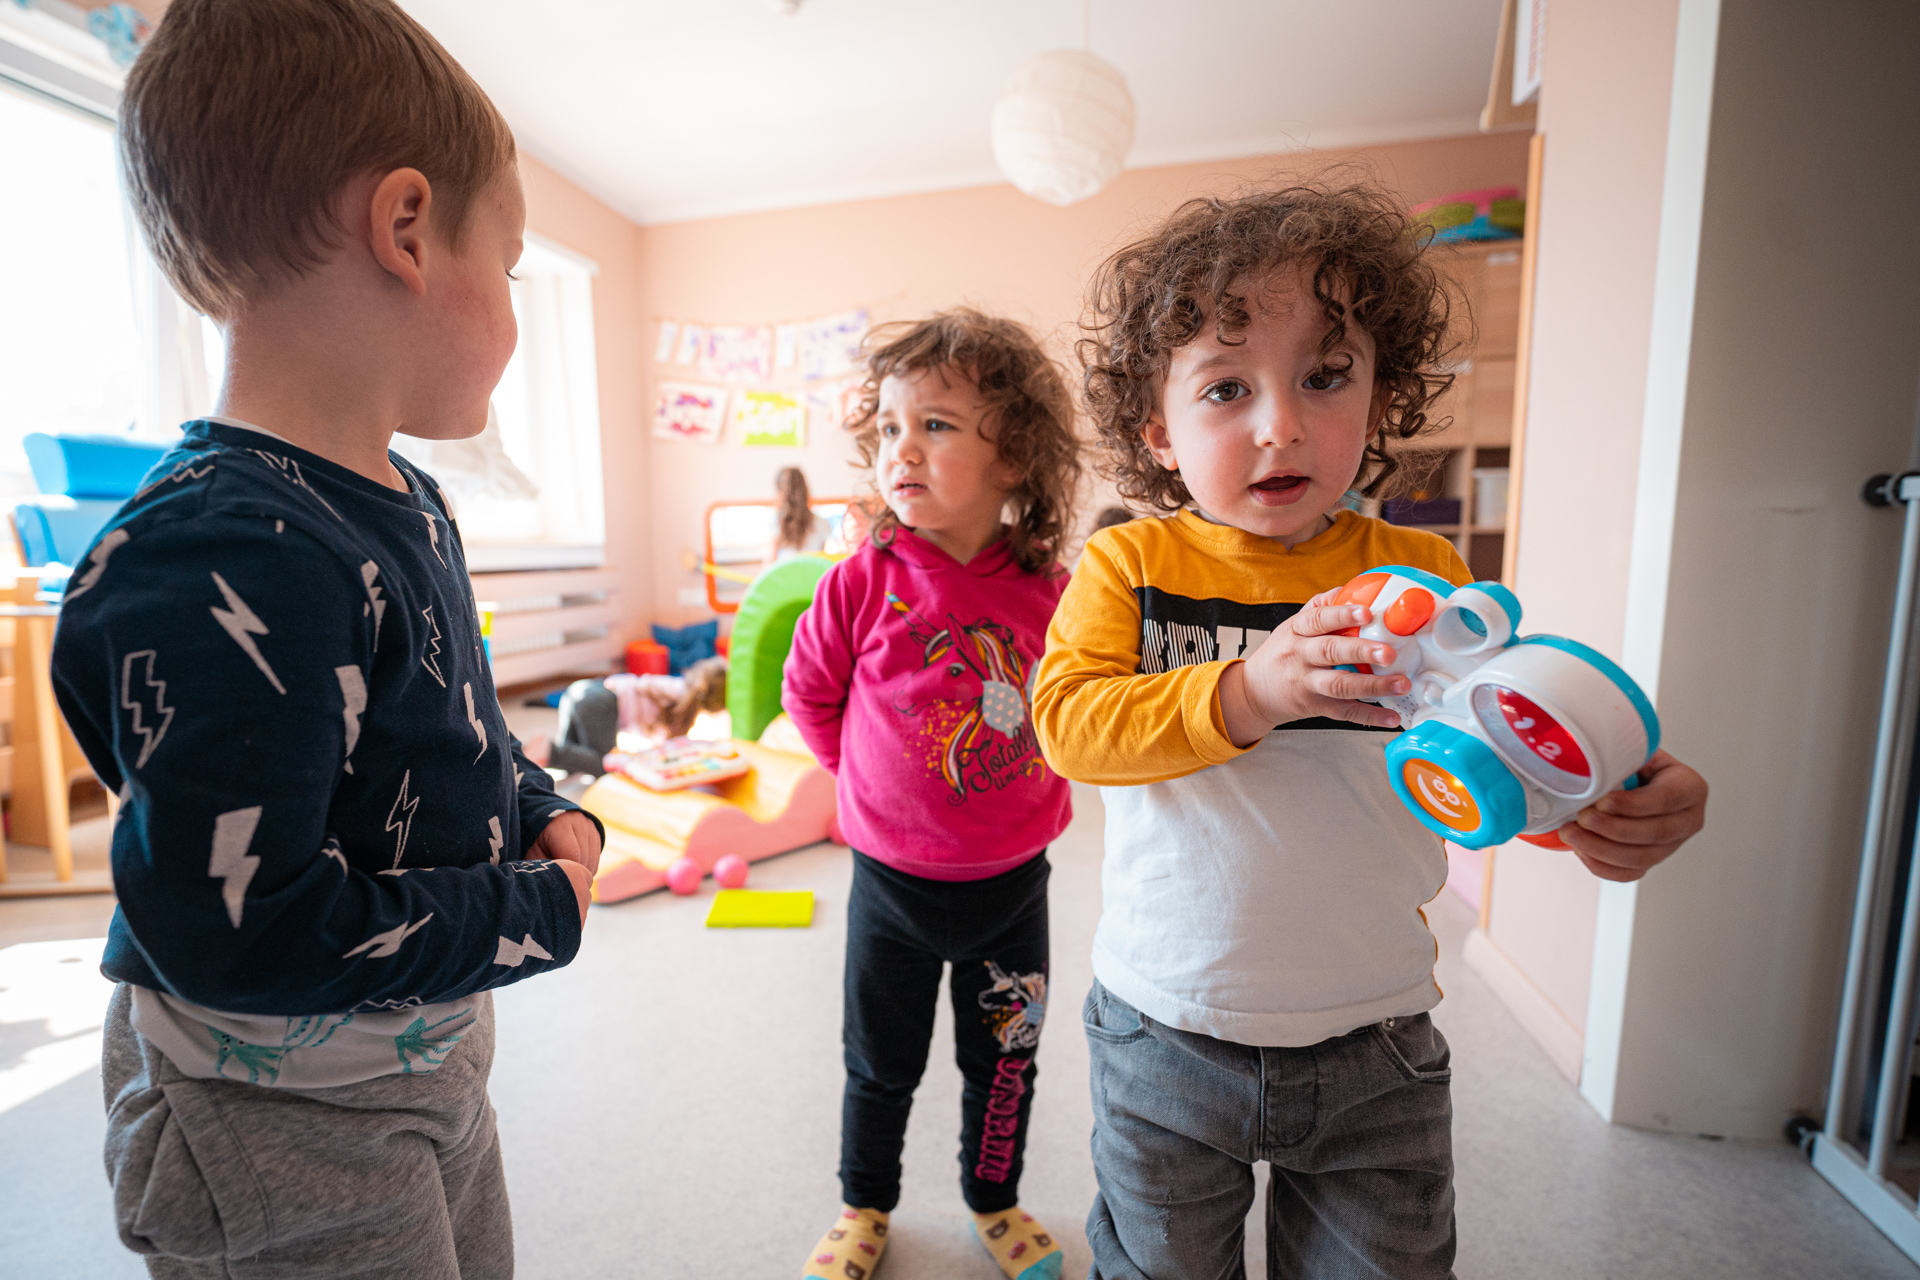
[730, 871]
[683, 877]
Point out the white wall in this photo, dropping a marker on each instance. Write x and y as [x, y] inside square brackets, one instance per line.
[1783, 366]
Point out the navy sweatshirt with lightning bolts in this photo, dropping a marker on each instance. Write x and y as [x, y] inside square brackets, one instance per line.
[277, 665]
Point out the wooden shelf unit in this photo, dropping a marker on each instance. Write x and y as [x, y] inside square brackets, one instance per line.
[1476, 414]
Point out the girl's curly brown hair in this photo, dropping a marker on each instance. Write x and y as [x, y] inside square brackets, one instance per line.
[1367, 263]
[1028, 405]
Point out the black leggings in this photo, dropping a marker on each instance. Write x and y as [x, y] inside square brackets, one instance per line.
[900, 929]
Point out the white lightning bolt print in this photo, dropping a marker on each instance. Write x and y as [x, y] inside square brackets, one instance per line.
[375, 605]
[97, 562]
[427, 659]
[232, 836]
[353, 703]
[395, 822]
[243, 625]
[433, 535]
[513, 954]
[479, 730]
[495, 842]
[332, 849]
[182, 473]
[151, 730]
[291, 470]
[382, 945]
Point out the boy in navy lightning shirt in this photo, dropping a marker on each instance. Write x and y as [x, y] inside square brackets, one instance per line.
[330, 848]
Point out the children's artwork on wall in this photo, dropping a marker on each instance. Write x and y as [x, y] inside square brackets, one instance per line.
[738, 353]
[689, 411]
[830, 345]
[693, 341]
[830, 404]
[669, 338]
[786, 346]
[770, 418]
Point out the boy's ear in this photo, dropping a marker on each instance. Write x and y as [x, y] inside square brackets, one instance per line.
[1159, 442]
[401, 205]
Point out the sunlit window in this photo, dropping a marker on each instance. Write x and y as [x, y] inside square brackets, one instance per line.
[69, 350]
[527, 491]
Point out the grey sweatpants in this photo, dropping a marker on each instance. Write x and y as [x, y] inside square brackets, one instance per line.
[396, 1177]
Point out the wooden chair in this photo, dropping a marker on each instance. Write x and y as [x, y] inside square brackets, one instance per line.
[41, 761]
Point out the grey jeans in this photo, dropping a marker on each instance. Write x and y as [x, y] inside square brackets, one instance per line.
[1357, 1131]
[397, 1177]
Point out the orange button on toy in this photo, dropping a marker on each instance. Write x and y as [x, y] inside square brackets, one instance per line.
[1441, 794]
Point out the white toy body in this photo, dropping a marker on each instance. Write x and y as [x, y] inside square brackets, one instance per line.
[1506, 736]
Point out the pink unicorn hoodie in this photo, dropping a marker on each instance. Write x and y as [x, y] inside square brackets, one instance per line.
[911, 679]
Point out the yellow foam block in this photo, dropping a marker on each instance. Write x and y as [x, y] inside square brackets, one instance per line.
[757, 909]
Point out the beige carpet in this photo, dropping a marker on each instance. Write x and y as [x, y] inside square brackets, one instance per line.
[670, 1108]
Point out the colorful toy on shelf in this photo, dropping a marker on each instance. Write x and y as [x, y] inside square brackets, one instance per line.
[679, 763]
[1490, 213]
[731, 872]
[1505, 736]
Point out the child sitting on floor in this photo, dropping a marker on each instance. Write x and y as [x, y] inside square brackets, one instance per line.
[594, 713]
[1263, 970]
[329, 850]
[908, 678]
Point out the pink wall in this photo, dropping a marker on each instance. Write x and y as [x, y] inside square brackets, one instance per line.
[561, 212]
[903, 256]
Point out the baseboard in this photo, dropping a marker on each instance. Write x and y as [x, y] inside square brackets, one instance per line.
[1542, 1018]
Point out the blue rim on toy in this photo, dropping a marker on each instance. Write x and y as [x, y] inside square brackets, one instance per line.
[1498, 796]
[1508, 601]
[1611, 670]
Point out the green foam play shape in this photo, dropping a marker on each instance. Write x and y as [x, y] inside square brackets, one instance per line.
[762, 634]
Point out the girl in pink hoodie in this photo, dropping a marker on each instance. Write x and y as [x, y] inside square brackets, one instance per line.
[910, 678]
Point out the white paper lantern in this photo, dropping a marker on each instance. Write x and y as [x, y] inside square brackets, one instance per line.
[1063, 126]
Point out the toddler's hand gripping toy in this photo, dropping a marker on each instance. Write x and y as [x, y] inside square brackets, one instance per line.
[1504, 736]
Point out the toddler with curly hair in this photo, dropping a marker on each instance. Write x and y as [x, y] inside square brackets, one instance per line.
[1263, 968]
[910, 680]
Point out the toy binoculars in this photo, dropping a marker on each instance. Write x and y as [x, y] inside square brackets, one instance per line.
[1504, 736]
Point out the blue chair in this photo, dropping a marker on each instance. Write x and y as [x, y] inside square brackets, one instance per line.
[83, 480]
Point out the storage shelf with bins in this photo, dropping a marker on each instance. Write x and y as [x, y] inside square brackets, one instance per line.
[1477, 435]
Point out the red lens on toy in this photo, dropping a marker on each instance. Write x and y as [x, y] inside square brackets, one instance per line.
[1542, 734]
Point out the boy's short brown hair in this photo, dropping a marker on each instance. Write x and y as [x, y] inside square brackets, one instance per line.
[242, 120]
[1030, 412]
[1366, 260]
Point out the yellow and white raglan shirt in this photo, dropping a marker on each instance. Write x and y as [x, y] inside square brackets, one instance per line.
[1266, 896]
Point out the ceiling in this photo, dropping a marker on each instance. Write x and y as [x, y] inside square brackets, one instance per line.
[677, 109]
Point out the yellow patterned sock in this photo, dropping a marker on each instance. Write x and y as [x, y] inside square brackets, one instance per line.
[851, 1248]
[1022, 1247]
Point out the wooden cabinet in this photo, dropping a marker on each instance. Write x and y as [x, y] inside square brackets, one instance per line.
[1472, 425]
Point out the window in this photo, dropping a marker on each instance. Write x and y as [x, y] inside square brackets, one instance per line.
[70, 350]
[527, 490]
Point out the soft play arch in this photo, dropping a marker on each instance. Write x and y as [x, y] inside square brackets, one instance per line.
[762, 635]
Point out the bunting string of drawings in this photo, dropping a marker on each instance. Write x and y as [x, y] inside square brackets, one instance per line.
[745, 376]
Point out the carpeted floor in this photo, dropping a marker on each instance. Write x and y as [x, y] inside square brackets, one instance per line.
[670, 1107]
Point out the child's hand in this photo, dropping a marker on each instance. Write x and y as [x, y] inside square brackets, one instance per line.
[1624, 834]
[571, 837]
[1292, 675]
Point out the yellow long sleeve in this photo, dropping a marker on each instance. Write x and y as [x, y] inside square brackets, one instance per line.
[1128, 692]
[1099, 719]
